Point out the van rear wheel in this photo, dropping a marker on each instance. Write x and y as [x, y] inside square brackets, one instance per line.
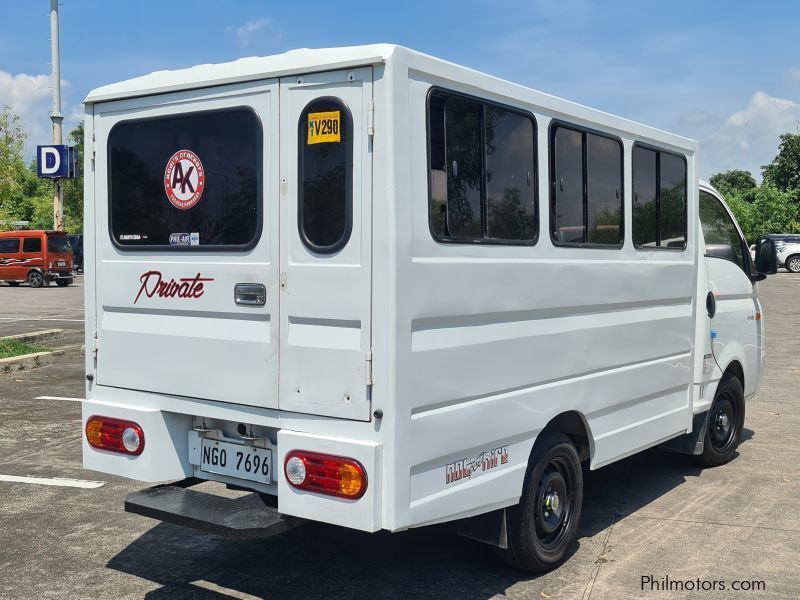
[63, 282]
[35, 279]
[725, 423]
[543, 526]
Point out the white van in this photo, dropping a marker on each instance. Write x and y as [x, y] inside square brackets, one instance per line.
[383, 291]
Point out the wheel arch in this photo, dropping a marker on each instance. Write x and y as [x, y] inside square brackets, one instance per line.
[574, 425]
[735, 369]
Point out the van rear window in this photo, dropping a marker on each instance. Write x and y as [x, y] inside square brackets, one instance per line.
[188, 181]
[58, 243]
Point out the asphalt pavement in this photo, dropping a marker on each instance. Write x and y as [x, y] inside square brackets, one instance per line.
[653, 515]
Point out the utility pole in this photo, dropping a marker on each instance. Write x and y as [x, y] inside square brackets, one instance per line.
[57, 118]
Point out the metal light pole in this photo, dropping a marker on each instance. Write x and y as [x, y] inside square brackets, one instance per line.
[56, 117]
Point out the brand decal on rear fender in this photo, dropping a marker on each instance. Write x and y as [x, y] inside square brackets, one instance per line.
[464, 469]
[154, 284]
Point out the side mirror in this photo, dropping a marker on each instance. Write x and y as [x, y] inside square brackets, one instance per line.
[766, 256]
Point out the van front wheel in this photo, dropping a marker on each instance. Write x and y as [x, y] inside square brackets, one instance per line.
[725, 423]
[543, 526]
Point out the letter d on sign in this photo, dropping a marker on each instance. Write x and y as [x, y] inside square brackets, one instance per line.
[52, 161]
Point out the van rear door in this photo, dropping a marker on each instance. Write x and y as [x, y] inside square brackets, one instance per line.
[187, 243]
[326, 233]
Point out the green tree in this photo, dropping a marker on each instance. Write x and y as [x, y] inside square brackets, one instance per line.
[73, 188]
[736, 180]
[12, 166]
[784, 170]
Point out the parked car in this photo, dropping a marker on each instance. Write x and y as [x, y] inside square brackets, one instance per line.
[789, 256]
[37, 257]
[76, 241]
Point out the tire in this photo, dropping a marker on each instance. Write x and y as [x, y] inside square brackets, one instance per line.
[13, 283]
[35, 279]
[63, 282]
[724, 424]
[792, 263]
[539, 534]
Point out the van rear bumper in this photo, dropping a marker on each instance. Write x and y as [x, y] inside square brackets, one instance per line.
[167, 456]
[244, 518]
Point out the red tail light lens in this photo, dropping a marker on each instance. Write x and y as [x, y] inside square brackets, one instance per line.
[325, 474]
[115, 435]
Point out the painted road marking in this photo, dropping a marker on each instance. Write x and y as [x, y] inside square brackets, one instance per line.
[41, 319]
[57, 481]
[223, 591]
[60, 398]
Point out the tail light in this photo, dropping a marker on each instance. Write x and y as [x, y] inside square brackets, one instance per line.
[325, 474]
[115, 435]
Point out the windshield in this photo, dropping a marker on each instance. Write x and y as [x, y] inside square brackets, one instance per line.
[58, 243]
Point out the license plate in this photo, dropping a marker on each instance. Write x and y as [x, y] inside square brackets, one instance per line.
[236, 460]
[62, 263]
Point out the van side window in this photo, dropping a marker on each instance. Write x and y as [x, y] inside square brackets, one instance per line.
[720, 234]
[9, 246]
[659, 199]
[32, 245]
[325, 170]
[586, 188]
[482, 171]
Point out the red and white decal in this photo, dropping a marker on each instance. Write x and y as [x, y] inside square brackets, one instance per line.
[485, 461]
[184, 179]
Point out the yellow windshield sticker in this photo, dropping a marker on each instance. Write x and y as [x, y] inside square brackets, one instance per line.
[324, 127]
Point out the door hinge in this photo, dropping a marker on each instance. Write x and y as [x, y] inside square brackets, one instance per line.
[283, 281]
[371, 119]
[369, 368]
[93, 145]
[95, 345]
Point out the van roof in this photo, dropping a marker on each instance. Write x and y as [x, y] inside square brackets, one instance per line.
[245, 69]
[306, 60]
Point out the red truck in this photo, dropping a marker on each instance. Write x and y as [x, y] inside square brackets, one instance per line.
[37, 257]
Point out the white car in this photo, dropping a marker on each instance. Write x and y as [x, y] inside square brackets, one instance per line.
[789, 257]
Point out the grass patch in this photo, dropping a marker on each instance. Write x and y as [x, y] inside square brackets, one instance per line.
[9, 348]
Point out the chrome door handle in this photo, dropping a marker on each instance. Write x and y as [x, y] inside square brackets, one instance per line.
[250, 294]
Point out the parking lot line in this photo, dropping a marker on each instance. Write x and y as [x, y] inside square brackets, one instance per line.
[223, 591]
[59, 398]
[57, 481]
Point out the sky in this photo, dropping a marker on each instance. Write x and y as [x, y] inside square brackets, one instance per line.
[726, 73]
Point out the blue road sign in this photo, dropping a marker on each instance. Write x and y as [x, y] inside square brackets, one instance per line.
[57, 162]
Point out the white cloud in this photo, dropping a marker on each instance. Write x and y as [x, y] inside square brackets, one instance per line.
[792, 75]
[247, 32]
[31, 97]
[748, 138]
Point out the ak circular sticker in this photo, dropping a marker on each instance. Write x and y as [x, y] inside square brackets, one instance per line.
[184, 179]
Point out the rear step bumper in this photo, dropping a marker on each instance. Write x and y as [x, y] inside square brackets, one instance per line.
[244, 518]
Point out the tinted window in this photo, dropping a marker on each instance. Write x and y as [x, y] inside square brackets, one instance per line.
[9, 246]
[482, 171]
[587, 188]
[672, 201]
[192, 180]
[604, 190]
[510, 185]
[32, 245]
[645, 223]
[568, 204]
[325, 198]
[58, 243]
[659, 199]
[720, 234]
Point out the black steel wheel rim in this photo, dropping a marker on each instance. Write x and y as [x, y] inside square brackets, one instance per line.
[554, 503]
[722, 423]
